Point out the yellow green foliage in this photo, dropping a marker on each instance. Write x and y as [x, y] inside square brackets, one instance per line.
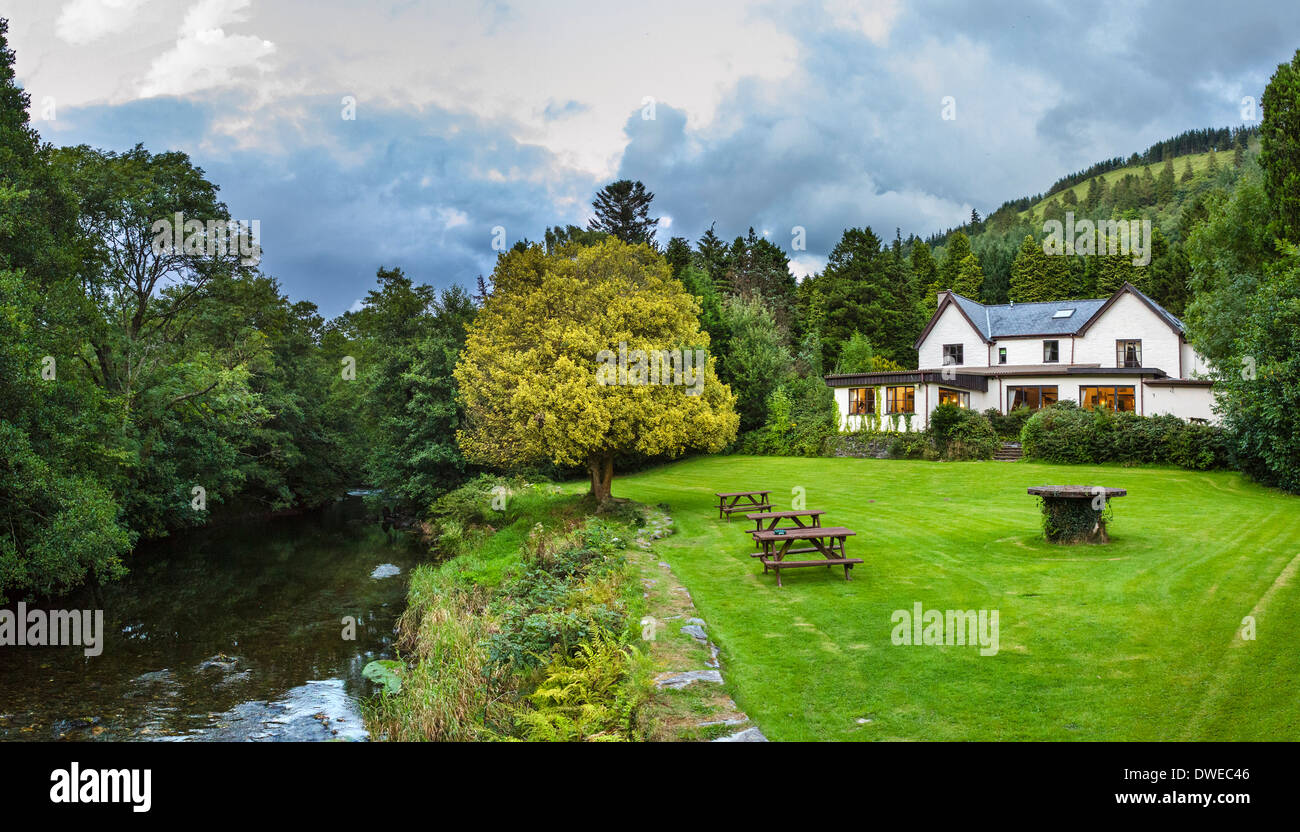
[528, 374]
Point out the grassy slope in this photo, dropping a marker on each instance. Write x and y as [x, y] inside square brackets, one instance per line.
[1135, 640]
[1200, 162]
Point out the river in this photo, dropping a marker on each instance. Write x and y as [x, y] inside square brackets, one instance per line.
[232, 633]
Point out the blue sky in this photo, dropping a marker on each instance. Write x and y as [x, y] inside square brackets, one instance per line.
[474, 115]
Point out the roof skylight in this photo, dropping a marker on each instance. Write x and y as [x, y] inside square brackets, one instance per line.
[1062, 313]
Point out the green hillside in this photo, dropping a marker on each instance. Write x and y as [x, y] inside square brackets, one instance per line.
[1200, 163]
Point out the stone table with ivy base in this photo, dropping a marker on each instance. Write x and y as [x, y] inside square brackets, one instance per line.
[1076, 513]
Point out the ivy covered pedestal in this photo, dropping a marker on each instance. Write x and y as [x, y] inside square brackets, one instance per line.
[1076, 513]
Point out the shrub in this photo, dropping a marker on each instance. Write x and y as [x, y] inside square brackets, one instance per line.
[1008, 425]
[1058, 434]
[957, 434]
[1065, 434]
[971, 438]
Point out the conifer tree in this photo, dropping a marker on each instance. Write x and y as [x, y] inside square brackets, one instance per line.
[1029, 273]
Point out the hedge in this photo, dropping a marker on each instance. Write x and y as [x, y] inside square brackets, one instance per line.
[1064, 433]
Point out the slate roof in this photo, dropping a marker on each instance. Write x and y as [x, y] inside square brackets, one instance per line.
[1008, 320]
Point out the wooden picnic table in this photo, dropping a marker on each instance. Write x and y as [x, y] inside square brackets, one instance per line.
[827, 540]
[729, 501]
[813, 515]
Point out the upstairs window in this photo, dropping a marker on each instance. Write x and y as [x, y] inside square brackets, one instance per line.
[1128, 353]
[1051, 352]
[952, 354]
[1002, 355]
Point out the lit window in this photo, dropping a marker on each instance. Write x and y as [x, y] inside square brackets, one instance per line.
[1119, 399]
[862, 400]
[900, 399]
[957, 397]
[1031, 397]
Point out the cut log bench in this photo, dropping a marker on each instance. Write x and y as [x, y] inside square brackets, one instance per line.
[774, 518]
[829, 541]
[1071, 513]
[733, 501]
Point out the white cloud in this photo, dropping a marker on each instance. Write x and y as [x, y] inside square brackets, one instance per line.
[205, 55]
[83, 21]
[803, 265]
[874, 19]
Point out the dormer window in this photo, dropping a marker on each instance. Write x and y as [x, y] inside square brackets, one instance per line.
[952, 354]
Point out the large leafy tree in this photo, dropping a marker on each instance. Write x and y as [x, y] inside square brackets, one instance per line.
[623, 210]
[59, 525]
[531, 377]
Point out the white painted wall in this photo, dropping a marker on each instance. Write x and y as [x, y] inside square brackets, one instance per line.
[953, 328]
[1185, 402]
[1030, 350]
[1193, 364]
[1130, 318]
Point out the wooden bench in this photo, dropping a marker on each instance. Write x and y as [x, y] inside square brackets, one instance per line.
[733, 501]
[813, 515]
[829, 541]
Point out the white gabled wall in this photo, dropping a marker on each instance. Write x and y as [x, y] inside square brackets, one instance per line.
[1130, 318]
[952, 328]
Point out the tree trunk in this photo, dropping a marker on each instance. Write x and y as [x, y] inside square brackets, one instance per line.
[602, 477]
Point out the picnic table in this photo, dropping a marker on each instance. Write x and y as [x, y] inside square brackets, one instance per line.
[813, 515]
[827, 540]
[1075, 513]
[730, 501]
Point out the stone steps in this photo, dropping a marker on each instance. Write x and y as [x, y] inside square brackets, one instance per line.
[1009, 452]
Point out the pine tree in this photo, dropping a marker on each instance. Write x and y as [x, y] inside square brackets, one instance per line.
[1280, 149]
[1029, 273]
[970, 278]
[1187, 172]
[1146, 188]
[1093, 197]
[924, 271]
[957, 249]
[711, 256]
[1166, 182]
[623, 210]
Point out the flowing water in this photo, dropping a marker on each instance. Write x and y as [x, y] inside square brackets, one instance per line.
[223, 634]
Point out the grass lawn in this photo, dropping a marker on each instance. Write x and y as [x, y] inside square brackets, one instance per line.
[1136, 640]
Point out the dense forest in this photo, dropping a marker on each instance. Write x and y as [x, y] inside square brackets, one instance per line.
[146, 389]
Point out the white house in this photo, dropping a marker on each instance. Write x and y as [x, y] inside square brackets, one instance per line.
[1124, 353]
